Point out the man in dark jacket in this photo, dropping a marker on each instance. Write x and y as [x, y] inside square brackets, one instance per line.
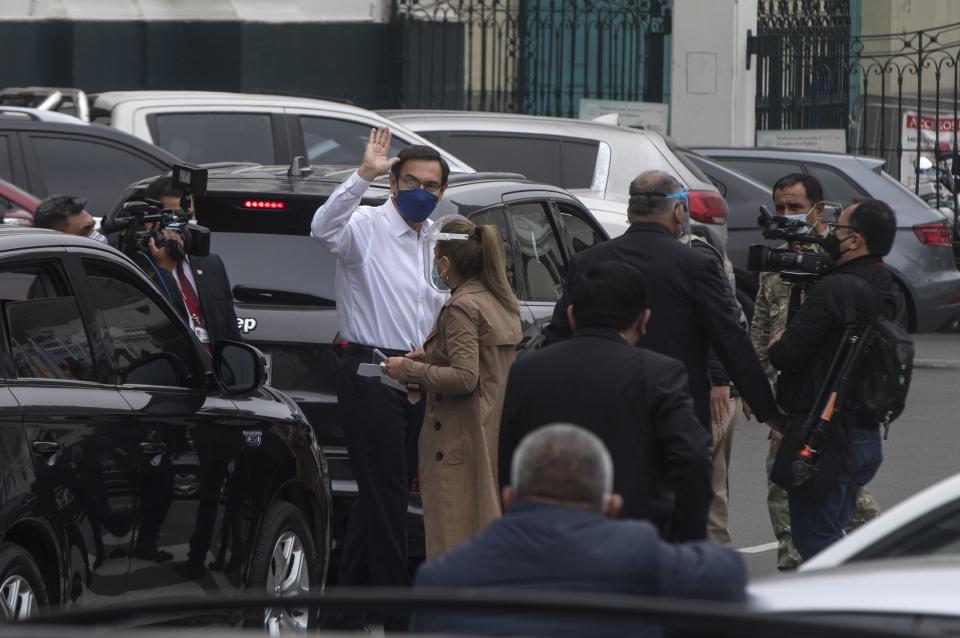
[689, 298]
[635, 400]
[556, 535]
[198, 287]
[857, 243]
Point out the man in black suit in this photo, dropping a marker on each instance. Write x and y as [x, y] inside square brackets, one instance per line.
[556, 536]
[689, 299]
[198, 287]
[635, 400]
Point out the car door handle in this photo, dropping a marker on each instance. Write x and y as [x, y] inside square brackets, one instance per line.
[153, 447]
[46, 447]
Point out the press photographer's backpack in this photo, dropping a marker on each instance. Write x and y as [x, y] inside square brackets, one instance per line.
[885, 371]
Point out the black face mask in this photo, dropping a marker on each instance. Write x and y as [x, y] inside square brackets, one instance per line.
[834, 245]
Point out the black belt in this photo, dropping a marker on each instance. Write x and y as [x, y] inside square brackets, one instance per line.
[361, 350]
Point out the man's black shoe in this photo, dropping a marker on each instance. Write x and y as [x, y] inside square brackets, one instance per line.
[152, 554]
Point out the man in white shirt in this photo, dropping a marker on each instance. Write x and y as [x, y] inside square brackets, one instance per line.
[383, 302]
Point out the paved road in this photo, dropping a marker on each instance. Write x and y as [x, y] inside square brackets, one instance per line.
[923, 448]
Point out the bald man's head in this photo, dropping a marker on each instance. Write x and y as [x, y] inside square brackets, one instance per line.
[648, 193]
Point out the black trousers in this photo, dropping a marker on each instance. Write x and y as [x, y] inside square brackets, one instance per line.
[381, 429]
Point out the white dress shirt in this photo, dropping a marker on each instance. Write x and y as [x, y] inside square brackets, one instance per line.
[383, 298]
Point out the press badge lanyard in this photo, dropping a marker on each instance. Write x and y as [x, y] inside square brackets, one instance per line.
[192, 302]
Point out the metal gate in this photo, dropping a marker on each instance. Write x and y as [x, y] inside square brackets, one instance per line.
[530, 56]
[895, 95]
[801, 56]
[906, 104]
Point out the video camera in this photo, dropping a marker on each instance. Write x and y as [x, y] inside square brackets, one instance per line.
[786, 260]
[132, 221]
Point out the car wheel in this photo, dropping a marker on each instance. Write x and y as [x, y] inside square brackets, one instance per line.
[22, 591]
[284, 564]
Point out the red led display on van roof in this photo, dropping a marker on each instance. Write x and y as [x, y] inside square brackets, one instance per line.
[262, 204]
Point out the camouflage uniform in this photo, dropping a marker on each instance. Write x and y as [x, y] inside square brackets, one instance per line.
[718, 527]
[769, 318]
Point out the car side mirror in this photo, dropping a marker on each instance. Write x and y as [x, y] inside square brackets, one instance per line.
[238, 367]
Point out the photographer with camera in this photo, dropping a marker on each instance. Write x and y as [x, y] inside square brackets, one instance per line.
[205, 296]
[797, 197]
[159, 236]
[846, 298]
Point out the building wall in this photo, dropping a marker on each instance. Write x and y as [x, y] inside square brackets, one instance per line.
[713, 95]
[311, 59]
[897, 16]
[258, 10]
[880, 17]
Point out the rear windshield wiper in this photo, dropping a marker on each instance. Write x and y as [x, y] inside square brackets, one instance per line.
[249, 294]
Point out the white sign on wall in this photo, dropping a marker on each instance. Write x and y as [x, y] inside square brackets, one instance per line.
[936, 138]
[649, 115]
[832, 140]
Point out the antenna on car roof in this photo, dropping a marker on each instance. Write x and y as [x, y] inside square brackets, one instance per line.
[299, 167]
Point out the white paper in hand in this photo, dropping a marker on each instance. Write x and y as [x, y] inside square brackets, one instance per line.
[374, 370]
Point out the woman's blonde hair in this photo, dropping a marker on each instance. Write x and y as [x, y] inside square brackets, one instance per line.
[480, 256]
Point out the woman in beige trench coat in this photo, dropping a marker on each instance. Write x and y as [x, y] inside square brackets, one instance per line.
[463, 368]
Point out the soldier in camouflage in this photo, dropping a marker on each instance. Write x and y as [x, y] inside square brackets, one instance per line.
[793, 194]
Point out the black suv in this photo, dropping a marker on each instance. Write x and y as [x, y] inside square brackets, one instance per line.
[132, 463]
[59, 156]
[284, 280]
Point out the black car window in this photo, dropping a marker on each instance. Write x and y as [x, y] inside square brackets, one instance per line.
[836, 187]
[199, 138]
[764, 171]
[91, 169]
[330, 141]
[537, 158]
[146, 346]
[46, 334]
[496, 217]
[744, 197]
[541, 267]
[6, 162]
[578, 163]
[578, 234]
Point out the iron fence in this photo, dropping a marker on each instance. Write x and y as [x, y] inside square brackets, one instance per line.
[894, 95]
[801, 55]
[530, 56]
[907, 102]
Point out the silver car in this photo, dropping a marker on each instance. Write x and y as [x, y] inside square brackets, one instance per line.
[589, 159]
[922, 259]
[911, 595]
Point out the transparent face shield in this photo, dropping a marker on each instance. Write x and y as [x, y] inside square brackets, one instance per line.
[682, 198]
[435, 276]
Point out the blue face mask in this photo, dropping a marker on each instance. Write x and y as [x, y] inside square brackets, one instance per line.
[416, 204]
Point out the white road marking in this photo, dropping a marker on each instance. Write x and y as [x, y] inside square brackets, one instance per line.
[756, 549]
[935, 363]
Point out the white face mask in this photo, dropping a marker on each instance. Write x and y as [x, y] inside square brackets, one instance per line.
[805, 218]
[95, 236]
